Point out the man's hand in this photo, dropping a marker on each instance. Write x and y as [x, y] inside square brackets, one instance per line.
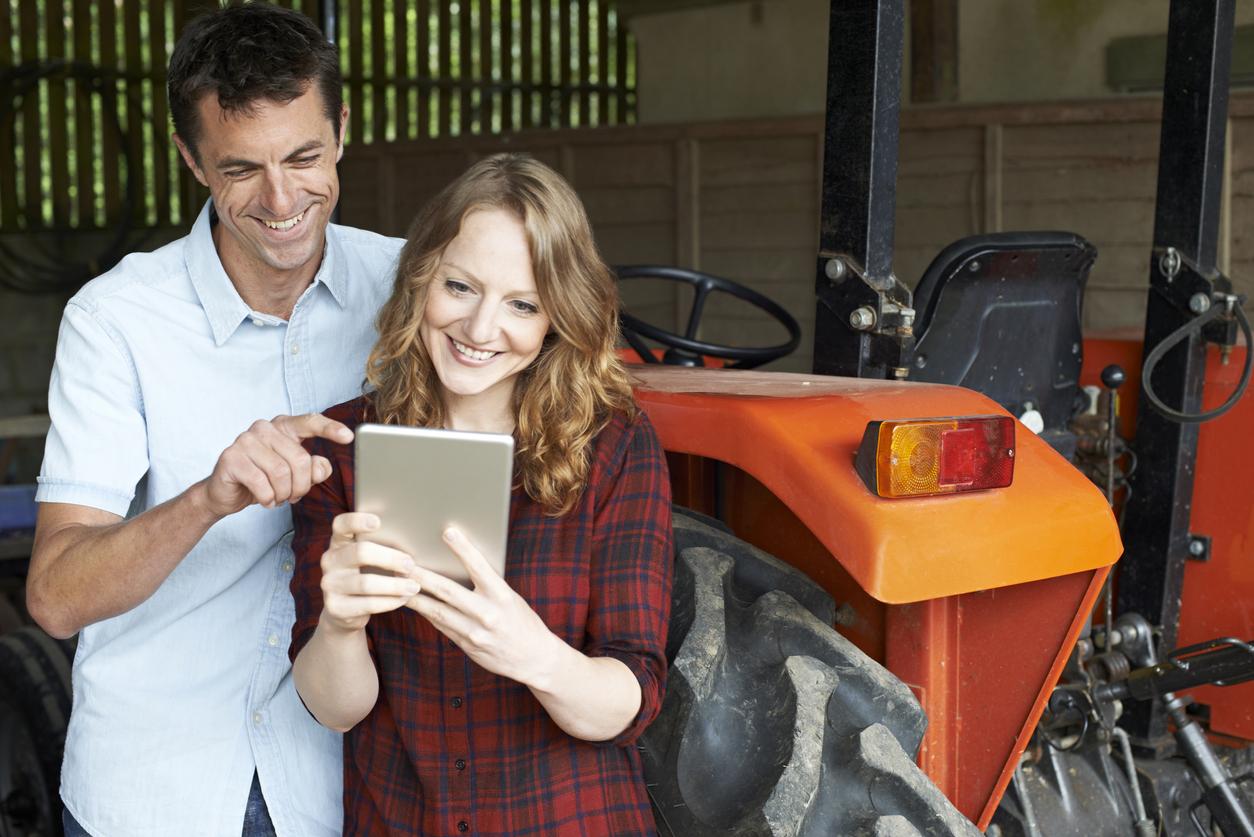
[266, 464]
[359, 578]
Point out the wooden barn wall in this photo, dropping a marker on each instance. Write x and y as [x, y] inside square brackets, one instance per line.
[741, 199]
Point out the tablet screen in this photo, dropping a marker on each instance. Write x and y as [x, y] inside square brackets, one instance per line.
[421, 481]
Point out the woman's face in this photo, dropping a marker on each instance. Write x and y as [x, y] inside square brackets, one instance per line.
[483, 323]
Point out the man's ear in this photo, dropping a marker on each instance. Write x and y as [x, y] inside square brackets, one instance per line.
[339, 151]
[190, 159]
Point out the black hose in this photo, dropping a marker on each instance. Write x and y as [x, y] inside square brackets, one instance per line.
[41, 271]
[1182, 333]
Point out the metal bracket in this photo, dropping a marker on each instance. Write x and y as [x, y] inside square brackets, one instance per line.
[1193, 290]
[879, 311]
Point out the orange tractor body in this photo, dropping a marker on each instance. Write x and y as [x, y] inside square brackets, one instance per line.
[974, 600]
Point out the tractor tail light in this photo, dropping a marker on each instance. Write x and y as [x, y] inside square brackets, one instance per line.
[923, 457]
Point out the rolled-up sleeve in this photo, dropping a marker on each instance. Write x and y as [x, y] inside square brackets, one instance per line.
[97, 448]
[630, 595]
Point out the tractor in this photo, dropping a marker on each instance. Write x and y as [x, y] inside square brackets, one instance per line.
[897, 606]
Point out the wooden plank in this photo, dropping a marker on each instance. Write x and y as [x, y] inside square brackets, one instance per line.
[603, 58]
[687, 154]
[157, 58]
[444, 72]
[646, 164]
[8, 172]
[85, 126]
[618, 204]
[422, 68]
[584, 113]
[933, 51]
[135, 120]
[546, 63]
[506, 66]
[465, 72]
[190, 198]
[563, 57]
[378, 71]
[484, 78]
[112, 115]
[29, 139]
[355, 36]
[741, 161]
[526, 60]
[992, 178]
[400, 73]
[58, 120]
[622, 45]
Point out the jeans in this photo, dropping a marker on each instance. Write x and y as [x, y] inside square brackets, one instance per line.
[256, 817]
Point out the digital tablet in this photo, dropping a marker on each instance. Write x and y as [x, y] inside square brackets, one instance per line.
[421, 481]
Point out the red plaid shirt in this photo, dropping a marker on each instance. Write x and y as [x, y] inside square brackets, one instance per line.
[453, 749]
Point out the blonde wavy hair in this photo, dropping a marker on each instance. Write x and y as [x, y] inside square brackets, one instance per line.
[573, 387]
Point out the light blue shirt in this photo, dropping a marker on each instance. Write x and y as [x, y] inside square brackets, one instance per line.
[160, 365]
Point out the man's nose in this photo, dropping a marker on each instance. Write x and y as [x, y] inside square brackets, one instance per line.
[278, 196]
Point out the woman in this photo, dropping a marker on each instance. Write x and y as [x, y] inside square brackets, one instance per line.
[512, 707]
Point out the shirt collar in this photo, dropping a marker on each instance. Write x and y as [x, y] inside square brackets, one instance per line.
[222, 304]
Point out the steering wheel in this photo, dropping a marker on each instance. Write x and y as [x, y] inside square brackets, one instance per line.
[684, 349]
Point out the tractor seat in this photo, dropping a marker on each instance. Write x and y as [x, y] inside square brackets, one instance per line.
[1000, 314]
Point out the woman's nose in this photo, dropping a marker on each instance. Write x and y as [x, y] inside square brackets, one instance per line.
[481, 326]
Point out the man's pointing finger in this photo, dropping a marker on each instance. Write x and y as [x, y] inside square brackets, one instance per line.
[315, 424]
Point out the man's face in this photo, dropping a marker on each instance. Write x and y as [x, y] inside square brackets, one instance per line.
[272, 177]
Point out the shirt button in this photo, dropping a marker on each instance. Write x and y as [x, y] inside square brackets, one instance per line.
[463, 826]
[460, 764]
[257, 321]
[457, 703]
[256, 717]
[273, 640]
[295, 348]
[287, 566]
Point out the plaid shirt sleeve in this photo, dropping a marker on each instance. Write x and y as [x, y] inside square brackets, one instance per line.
[311, 519]
[630, 595]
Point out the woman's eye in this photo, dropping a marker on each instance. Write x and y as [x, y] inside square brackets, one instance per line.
[456, 286]
[525, 307]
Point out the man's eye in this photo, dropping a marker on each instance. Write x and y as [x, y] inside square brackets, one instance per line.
[236, 174]
[306, 161]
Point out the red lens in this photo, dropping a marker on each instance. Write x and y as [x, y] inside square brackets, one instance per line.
[978, 453]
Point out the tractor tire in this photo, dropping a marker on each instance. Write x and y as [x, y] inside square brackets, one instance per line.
[34, 712]
[773, 723]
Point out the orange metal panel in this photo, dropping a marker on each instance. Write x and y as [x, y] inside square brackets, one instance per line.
[797, 435]
[1218, 598]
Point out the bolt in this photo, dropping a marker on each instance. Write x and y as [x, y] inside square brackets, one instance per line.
[862, 319]
[835, 270]
[1169, 264]
[1199, 303]
[973, 266]
[920, 361]
[1196, 547]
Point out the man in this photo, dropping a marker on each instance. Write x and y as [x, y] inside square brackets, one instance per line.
[163, 536]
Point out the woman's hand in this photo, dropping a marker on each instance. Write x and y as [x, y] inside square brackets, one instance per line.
[493, 624]
[359, 578]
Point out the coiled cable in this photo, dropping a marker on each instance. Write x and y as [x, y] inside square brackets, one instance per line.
[1182, 333]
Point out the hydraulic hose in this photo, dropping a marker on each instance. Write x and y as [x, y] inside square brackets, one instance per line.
[1181, 334]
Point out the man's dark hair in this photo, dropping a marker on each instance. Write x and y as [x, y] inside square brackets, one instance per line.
[246, 54]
